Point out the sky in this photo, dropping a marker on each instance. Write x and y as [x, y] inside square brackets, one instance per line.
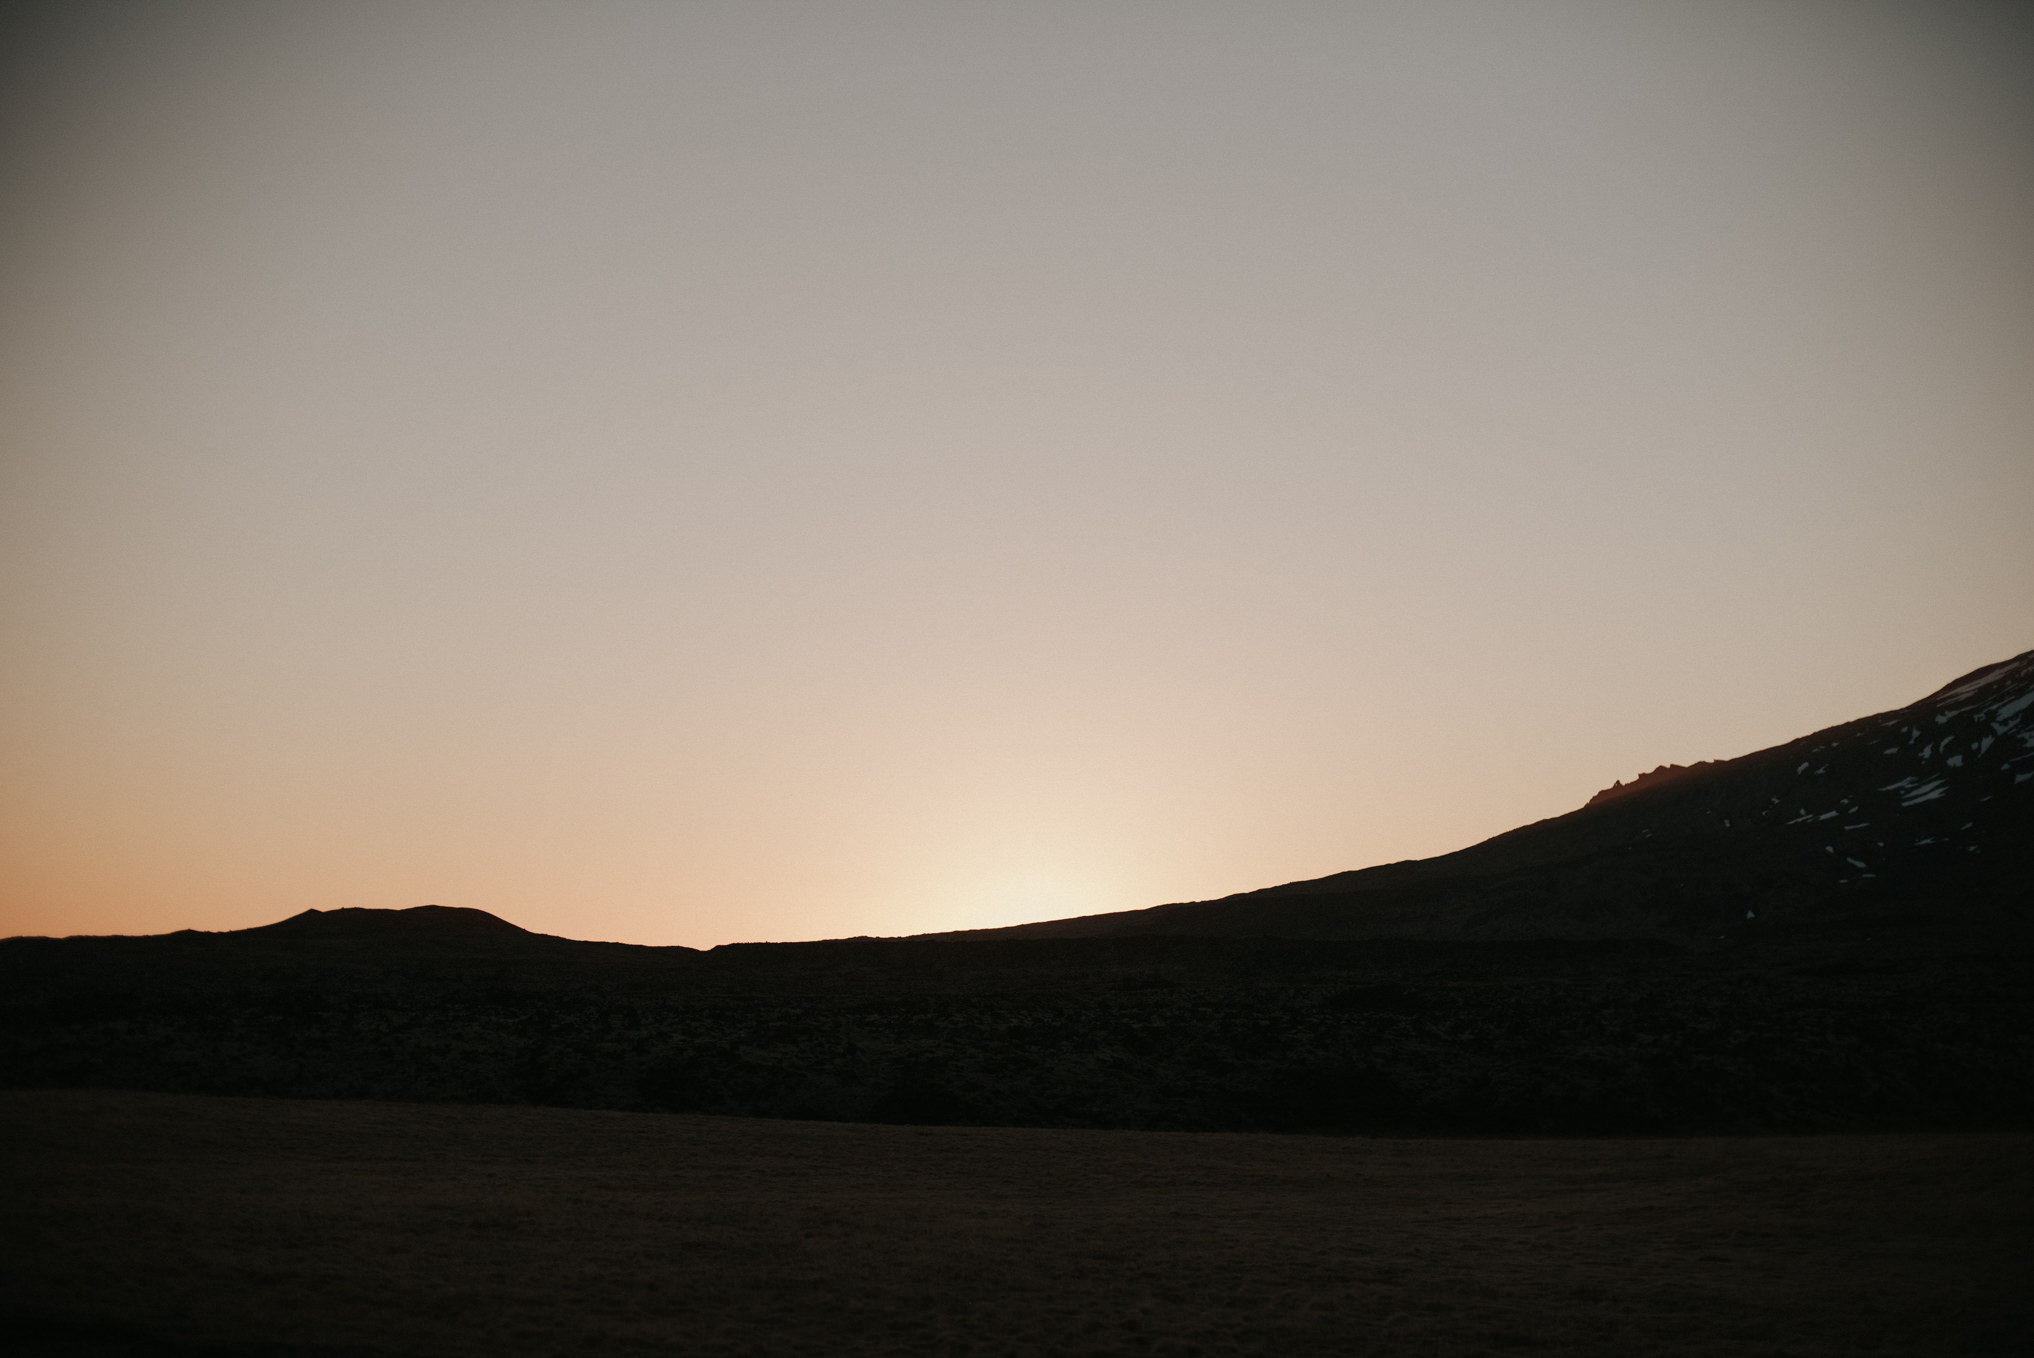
[700, 472]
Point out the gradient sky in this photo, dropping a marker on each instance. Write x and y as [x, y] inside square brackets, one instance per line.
[692, 472]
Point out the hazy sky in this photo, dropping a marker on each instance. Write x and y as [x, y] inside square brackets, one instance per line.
[688, 472]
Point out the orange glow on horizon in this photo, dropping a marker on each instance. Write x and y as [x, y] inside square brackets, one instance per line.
[691, 474]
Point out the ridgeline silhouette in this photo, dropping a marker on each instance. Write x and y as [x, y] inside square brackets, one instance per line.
[1831, 934]
[1927, 810]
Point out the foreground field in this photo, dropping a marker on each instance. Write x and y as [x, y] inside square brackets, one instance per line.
[159, 1224]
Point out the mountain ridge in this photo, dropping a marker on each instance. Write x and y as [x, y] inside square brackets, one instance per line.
[1702, 850]
[1828, 935]
[1688, 853]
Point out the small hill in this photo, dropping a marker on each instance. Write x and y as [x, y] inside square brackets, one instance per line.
[1923, 812]
[422, 921]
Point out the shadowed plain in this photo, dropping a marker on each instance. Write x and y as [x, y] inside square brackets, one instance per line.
[433, 1230]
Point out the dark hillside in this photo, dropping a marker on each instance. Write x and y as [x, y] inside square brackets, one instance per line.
[1798, 1030]
[1924, 813]
[1834, 934]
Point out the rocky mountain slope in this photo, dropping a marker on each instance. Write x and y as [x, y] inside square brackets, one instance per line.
[1927, 810]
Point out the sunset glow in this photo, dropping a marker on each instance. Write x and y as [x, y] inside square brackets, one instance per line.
[700, 473]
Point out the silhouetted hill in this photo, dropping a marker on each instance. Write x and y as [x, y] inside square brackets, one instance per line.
[1926, 811]
[423, 921]
[1831, 934]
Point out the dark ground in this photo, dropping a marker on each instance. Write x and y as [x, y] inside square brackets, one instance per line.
[1886, 1028]
[306, 1224]
[159, 1225]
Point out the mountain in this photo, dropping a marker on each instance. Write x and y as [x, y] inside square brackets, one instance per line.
[1566, 977]
[1925, 812]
